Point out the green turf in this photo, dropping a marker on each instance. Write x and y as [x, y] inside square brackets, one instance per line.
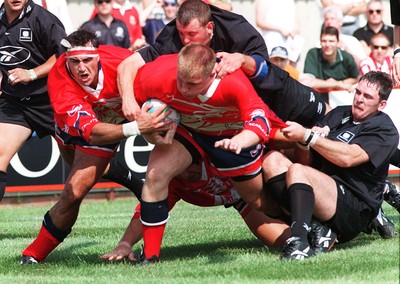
[201, 245]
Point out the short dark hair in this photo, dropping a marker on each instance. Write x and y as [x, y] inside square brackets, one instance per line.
[193, 9]
[329, 31]
[82, 37]
[382, 80]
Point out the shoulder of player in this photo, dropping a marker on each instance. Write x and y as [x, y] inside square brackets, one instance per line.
[112, 53]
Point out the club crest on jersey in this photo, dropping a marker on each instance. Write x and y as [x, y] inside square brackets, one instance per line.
[25, 34]
[346, 136]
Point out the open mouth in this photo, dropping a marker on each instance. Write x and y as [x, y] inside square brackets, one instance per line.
[84, 76]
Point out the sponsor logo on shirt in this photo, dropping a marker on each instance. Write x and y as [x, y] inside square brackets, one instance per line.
[342, 189]
[13, 55]
[320, 106]
[346, 136]
[346, 119]
[25, 34]
[312, 97]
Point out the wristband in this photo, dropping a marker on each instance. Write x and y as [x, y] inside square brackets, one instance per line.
[314, 139]
[261, 68]
[396, 52]
[32, 74]
[131, 128]
[308, 136]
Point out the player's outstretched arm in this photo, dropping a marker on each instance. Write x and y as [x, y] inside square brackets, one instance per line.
[123, 250]
[126, 73]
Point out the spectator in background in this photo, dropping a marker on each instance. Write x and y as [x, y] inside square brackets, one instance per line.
[333, 17]
[378, 60]
[332, 67]
[353, 12]
[123, 10]
[280, 57]
[108, 30]
[59, 8]
[375, 25]
[278, 23]
[395, 16]
[152, 27]
[154, 9]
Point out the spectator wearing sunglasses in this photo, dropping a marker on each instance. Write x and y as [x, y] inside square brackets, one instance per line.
[108, 30]
[379, 59]
[123, 10]
[153, 26]
[375, 25]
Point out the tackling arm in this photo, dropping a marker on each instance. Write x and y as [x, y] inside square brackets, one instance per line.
[126, 74]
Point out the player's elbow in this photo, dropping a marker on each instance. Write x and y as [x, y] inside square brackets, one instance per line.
[130, 64]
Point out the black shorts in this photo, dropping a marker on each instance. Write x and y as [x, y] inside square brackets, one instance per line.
[352, 215]
[290, 99]
[33, 112]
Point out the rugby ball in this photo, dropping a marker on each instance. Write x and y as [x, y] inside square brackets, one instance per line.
[156, 103]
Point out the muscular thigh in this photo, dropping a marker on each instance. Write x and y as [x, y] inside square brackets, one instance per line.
[323, 186]
[168, 161]
[12, 142]
[352, 215]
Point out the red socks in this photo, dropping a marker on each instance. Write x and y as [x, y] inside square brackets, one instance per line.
[152, 238]
[42, 246]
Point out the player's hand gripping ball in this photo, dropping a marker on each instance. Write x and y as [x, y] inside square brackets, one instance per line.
[156, 103]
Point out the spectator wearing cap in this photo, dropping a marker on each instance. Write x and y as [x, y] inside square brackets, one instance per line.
[280, 57]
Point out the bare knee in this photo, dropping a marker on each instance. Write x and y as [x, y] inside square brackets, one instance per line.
[73, 194]
[297, 173]
[274, 163]
[158, 177]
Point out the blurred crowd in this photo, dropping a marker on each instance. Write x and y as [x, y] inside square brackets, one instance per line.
[363, 41]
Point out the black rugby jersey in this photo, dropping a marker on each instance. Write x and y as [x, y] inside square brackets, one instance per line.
[378, 137]
[29, 41]
[232, 33]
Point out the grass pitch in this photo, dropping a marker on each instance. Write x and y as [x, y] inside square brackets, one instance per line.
[201, 245]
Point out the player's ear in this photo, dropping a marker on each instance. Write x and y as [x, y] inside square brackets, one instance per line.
[381, 106]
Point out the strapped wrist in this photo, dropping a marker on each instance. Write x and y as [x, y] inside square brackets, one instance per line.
[32, 74]
[131, 128]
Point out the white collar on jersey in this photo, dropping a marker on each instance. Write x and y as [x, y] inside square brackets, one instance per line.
[100, 84]
[210, 91]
